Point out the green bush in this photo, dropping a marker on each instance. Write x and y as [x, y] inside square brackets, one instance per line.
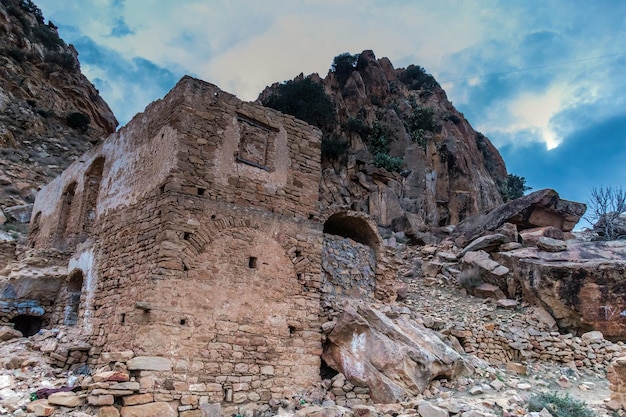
[357, 125]
[378, 138]
[47, 36]
[416, 78]
[558, 406]
[385, 161]
[78, 121]
[32, 8]
[420, 121]
[64, 60]
[304, 99]
[334, 148]
[17, 54]
[343, 65]
[513, 187]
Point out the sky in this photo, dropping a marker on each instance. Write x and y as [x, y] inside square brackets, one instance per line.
[544, 80]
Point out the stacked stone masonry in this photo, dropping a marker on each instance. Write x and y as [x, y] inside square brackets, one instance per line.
[500, 344]
[193, 235]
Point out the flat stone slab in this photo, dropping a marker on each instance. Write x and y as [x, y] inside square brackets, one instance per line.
[149, 363]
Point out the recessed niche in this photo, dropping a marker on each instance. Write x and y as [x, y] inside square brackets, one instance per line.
[256, 143]
[252, 262]
[201, 191]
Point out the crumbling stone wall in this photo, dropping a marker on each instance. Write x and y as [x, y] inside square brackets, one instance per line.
[195, 230]
[349, 267]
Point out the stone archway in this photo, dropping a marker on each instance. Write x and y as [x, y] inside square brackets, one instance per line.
[350, 251]
[353, 225]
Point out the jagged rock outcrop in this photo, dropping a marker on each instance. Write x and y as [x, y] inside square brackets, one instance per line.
[393, 358]
[543, 208]
[444, 170]
[582, 286]
[49, 112]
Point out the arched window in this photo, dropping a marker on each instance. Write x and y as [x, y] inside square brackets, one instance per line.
[93, 178]
[64, 227]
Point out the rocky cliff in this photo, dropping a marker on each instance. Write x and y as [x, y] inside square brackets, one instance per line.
[49, 112]
[396, 148]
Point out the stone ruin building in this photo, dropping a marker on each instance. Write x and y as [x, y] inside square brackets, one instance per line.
[193, 237]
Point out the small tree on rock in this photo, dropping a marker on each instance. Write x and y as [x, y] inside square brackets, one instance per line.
[513, 187]
[605, 211]
[343, 65]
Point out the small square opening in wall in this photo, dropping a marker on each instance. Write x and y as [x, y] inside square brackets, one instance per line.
[201, 191]
[252, 262]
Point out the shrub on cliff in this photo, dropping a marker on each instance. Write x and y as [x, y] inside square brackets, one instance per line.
[304, 99]
[47, 36]
[334, 148]
[343, 65]
[416, 78]
[513, 187]
[388, 162]
[78, 121]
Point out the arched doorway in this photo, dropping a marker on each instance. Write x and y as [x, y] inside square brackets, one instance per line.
[74, 293]
[350, 249]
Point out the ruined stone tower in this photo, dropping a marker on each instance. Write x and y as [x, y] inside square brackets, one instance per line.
[193, 234]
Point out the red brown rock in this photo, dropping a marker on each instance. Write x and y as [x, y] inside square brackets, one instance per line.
[542, 208]
[40, 86]
[156, 409]
[582, 286]
[393, 358]
[530, 237]
[449, 171]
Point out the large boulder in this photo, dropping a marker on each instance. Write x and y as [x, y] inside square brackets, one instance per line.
[395, 359]
[542, 208]
[582, 286]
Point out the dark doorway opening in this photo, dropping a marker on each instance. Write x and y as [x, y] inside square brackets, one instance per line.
[28, 325]
[326, 372]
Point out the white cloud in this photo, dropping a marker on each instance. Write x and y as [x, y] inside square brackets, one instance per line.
[242, 46]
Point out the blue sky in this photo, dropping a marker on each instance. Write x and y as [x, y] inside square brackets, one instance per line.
[544, 80]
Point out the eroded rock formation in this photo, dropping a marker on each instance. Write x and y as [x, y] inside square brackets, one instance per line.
[447, 170]
[49, 112]
[543, 208]
[581, 286]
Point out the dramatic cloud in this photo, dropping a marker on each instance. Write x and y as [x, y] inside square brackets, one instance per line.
[543, 80]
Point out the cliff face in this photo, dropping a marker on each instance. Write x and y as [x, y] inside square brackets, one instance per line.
[411, 157]
[49, 112]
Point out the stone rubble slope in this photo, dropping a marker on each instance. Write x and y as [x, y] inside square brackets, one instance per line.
[498, 343]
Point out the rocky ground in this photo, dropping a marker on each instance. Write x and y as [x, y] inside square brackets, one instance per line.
[438, 302]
